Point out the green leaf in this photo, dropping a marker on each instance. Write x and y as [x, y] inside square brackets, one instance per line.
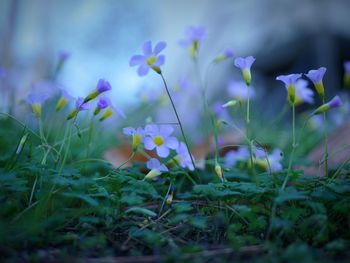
[141, 211]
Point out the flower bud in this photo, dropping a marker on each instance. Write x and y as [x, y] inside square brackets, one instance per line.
[333, 103]
[320, 89]
[108, 113]
[291, 93]
[21, 143]
[152, 174]
[218, 172]
[72, 114]
[230, 103]
[62, 102]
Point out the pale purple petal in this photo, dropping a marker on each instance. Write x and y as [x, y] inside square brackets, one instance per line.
[316, 75]
[143, 70]
[303, 92]
[335, 102]
[137, 60]
[163, 168]
[244, 63]
[102, 103]
[103, 86]
[149, 144]
[147, 48]
[129, 131]
[153, 164]
[159, 47]
[166, 130]
[162, 151]
[172, 142]
[151, 129]
[289, 79]
[160, 61]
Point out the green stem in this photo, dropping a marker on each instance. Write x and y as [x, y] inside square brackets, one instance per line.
[67, 149]
[178, 120]
[90, 137]
[325, 142]
[250, 144]
[293, 150]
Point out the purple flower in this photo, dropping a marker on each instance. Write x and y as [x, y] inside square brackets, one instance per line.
[136, 134]
[160, 139]
[290, 81]
[36, 99]
[183, 157]
[244, 64]
[80, 105]
[149, 59]
[239, 90]
[303, 93]
[193, 35]
[335, 102]
[347, 67]
[103, 86]
[227, 53]
[111, 110]
[316, 75]
[156, 168]
[102, 103]
[231, 158]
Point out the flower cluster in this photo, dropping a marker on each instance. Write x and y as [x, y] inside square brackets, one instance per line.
[160, 139]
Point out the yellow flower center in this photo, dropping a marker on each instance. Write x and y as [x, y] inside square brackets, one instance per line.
[151, 60]
[158, 140]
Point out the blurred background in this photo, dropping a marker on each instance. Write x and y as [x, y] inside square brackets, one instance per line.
[100, 36]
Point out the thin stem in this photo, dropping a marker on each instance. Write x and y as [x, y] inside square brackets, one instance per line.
[293, 149]
[178, 120]
[250, 144]
[325, 143]
[248, 106]
[90, 137]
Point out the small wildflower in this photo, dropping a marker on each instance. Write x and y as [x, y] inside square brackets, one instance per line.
[183, 158]
[346, 73]
[333, 103]
[244, 64]
[193, 37]
[239, 90]
[156, 168]
[36, 99]
[111, 110]
[303, 93]
[102, 86]
[226, 54]
[290, 82]
[160, 139]
[137, 136]
[101, 104]
[150, 58]
[80, 105]
[64, 99]
[316, 76]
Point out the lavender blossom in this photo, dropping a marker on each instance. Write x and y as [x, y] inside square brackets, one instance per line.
[80, 105]
[290, 82]
[102, 86]
[160, 139]
[183, 157]
[333, 103]
[193, 37]
[101, 104]
[36, 99]
[231, 158]
[316, 76]
[244, 64]
[156, 168]
[136, 134]
[226, 54]
[150, 58]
